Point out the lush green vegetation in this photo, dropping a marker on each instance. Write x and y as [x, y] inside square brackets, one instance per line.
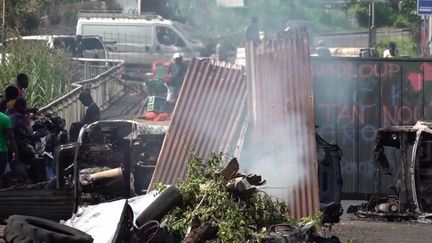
[50, 71]
[208, 199]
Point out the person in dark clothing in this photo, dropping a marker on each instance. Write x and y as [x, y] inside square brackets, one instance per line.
[92, 113]
[78, 52]
[22, 134]
[10, 95]
[179, 73]
[174, 80]
[22, 83]
[252, 31]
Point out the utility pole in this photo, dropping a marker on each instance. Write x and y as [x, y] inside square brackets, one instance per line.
[3, 37]
[371, 23]
[139, 7]
[429, 34]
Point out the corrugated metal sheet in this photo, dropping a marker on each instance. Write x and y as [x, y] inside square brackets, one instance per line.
[207, 118]
[54, 205]
[281, 108]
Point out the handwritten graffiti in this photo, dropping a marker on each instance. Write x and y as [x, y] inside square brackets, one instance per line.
[363, 168]
[419, 77]
[352, 71]
[355, 98]
[387, 114]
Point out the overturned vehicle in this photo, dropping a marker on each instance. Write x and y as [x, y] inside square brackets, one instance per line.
[404, 155]
[111, 159]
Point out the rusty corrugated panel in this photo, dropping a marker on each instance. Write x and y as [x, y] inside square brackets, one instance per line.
[283, 134]
[208, 116]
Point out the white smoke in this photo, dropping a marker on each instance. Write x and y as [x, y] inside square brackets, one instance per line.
[278, 157]
[128, 5]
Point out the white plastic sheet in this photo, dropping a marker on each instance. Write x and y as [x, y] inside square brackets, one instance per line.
[102, 221]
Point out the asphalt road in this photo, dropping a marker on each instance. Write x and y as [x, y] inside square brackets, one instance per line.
[352, 229]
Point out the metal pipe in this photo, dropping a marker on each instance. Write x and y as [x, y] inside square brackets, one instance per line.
[107, 174]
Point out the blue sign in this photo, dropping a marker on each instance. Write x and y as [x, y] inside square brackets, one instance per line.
[424, 7]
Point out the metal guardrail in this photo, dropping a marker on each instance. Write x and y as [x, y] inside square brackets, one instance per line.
[102, 77]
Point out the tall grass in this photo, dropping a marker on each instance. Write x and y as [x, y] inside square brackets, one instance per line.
[50, 71]
[407, 46]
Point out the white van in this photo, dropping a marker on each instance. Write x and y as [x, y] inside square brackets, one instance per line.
[139, 39]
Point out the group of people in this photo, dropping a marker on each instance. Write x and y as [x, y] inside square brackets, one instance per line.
[15, 124]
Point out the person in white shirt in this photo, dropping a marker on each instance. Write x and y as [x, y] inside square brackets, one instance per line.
[391, 50]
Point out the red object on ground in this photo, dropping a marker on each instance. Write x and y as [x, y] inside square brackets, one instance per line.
[162, 117]
[149, 115]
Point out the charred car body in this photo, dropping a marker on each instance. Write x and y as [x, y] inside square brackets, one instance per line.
[404, 153]
[329, 180]
[104, 161]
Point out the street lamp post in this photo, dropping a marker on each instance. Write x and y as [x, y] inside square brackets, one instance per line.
[139, 7]
[3, 37]
[371, 23]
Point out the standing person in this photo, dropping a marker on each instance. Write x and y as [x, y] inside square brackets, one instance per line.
[252, 31]
[322, 50]
[78, 52]
[391, 51]
[92, 113]
[22, 82]
[25, 147]
[179, 73]
[10, 95]
[175, 80]
[6, 136]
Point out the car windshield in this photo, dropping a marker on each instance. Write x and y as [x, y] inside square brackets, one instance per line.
[188, 32]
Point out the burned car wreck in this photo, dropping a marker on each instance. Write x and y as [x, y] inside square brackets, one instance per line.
[105, 160]
[404, 154]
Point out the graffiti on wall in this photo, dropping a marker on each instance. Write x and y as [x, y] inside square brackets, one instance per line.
[355, 97]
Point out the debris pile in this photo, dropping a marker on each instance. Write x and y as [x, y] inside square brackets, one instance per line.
[212, 204]
[222, 205]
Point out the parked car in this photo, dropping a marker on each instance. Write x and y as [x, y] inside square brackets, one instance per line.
[92, 46]
[139, 39]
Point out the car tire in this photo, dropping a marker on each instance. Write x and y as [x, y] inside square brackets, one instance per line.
[32, 229]
[167, 200]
